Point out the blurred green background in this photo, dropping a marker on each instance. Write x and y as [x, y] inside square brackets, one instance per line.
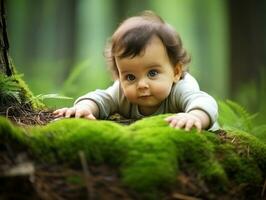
[58, 45]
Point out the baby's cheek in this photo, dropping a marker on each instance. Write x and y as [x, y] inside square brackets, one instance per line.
[162, 92]
[130, 94]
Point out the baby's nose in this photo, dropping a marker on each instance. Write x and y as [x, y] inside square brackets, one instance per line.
[143, 84]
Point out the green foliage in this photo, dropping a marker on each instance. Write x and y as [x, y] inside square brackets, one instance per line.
[233, 116]
[149, 153]
[52, 100]
[42, 97]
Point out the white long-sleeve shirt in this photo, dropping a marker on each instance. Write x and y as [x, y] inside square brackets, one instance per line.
[185, 96]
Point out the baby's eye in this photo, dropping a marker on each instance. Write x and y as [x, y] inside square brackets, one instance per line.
[152, 73]
[130, 77]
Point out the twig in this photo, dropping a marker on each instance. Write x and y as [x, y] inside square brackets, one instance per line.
[7, 111]
[233, 140]
[87, 174]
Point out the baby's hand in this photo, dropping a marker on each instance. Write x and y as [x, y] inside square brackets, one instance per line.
[77, 111]
[185, 120]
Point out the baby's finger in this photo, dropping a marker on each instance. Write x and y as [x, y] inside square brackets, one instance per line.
[198, 126]
[169, 119]
[90, 116]
[57, 114]
[70, 112]
[172, 122]
[189, 124]
[181, 123]
[59, 111]
[79, 113]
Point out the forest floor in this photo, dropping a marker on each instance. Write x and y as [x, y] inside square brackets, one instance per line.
[23, 177]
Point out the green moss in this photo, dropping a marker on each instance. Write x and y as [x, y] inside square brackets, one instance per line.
[168, 150]
[243, 158]
[27, 95]
[15, 92]
[101, 141]
[9, 131]
[149, 153]
[250, 150]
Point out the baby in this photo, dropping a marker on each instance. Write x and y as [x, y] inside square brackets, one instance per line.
[149, 63]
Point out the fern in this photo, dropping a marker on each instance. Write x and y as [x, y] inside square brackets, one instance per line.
[260, 131]
[9, 90]
[233, 116]
[244, 116]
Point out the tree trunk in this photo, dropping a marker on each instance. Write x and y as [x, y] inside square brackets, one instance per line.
[15, 96]
[5, 64]
[248, 47]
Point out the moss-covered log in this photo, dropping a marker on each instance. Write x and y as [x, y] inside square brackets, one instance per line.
[150, 155]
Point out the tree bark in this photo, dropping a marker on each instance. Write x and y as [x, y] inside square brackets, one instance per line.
[248, 47]
[14, 92]
[5, 64]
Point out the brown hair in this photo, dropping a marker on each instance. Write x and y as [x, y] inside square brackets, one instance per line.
[133, 34]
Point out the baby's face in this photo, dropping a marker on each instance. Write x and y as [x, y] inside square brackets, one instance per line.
[147, 79]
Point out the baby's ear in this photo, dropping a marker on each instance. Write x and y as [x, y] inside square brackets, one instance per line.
[177, 72]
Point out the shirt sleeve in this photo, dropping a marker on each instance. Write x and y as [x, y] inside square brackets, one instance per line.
[106, 100]
[188, 97]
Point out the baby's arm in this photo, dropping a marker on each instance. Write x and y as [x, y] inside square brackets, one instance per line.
[83, 109]
[195, 118]
[199, 109]
[97, 104]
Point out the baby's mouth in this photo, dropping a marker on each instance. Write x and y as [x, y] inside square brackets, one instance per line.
[144, 96]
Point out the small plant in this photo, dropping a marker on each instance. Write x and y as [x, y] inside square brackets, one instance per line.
[42, 97]
[14, 92]
[9, 90]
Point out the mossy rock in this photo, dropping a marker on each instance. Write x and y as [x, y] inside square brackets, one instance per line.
[149, 153]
